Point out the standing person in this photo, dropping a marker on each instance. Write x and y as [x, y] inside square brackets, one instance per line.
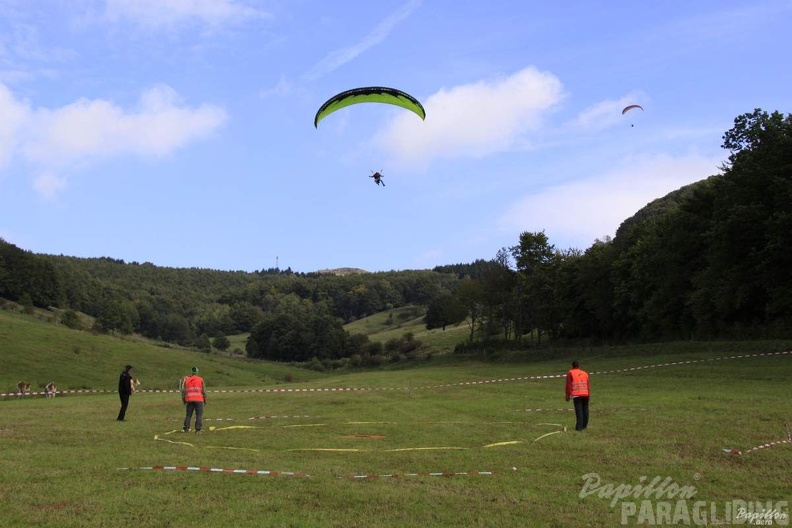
[579, 389]
[194, 397]
[124, 391]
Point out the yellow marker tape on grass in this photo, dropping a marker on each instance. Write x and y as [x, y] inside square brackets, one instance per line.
[233, 427]
[548, 434]
[235, 448]
[156, 437]
[504, 443]
[423, 449]
[339, 450]
[327, 449]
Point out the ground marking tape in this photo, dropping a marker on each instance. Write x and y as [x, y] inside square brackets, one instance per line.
[459, 384]
[328, 450]
[423, 474]
[357, 450]
[222, 470]
[426, 449]
[513, 442]
[156, 437]
[763, 446]
[545, 410]
[234, 448]
[787, 440]
[257, 418]
[498, 444]
[548, 434]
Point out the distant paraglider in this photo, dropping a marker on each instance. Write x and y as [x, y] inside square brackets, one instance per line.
[631, 107]
[370, 94]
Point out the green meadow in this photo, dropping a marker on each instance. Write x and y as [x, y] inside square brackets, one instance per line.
[449, 442]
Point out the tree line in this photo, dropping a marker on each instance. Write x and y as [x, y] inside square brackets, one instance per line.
[194, 306]
[709, 260]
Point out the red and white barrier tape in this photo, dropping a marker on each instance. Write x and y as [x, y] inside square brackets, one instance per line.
[304, 475]
[763, 446]
[788, 440]
[222, 470]
[446, 385]
[59, 392]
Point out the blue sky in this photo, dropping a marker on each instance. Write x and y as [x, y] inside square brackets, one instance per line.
[180, 132]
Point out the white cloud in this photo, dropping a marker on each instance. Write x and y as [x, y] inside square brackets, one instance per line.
[159, 13]
[338, 58]
[95, 128]
[575, 214]
[13, 115]
[52, 140]
[281, 88]
[473, 120]
[49, 185]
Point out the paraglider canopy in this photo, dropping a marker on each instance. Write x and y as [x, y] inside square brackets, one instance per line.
[370, 94]
[631, 107]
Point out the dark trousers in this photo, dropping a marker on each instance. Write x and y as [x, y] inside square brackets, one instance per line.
[124, 405]
[198, 408]
[581, 412]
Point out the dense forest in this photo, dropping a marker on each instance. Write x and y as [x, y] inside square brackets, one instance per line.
[709, 260]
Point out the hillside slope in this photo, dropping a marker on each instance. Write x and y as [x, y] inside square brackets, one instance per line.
[393, 324]
[38, 351]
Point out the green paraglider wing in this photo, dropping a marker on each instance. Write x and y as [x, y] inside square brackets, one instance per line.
[628, 108]
[371, 94]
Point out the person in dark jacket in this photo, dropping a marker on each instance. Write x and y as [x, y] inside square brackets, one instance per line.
[124, 391]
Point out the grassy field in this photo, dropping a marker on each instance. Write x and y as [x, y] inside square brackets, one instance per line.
[60, 458]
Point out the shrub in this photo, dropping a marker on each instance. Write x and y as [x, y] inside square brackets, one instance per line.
[71, 319]
[221, 342]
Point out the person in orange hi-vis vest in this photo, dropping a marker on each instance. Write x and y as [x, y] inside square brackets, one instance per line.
[194, 398]
[579, 389]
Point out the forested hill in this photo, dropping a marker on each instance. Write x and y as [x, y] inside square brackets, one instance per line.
[709, 260]
[178, 304]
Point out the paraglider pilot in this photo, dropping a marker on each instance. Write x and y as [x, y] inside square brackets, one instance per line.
[378, 178]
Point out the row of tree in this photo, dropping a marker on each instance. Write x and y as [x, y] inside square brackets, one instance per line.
[710, 260]
[188, 306]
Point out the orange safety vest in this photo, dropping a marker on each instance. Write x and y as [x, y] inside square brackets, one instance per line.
[193, 389]
[577, 383]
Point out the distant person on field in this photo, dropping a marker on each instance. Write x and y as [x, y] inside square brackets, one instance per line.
[124, 391]
[579, 389]
[194, 398]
